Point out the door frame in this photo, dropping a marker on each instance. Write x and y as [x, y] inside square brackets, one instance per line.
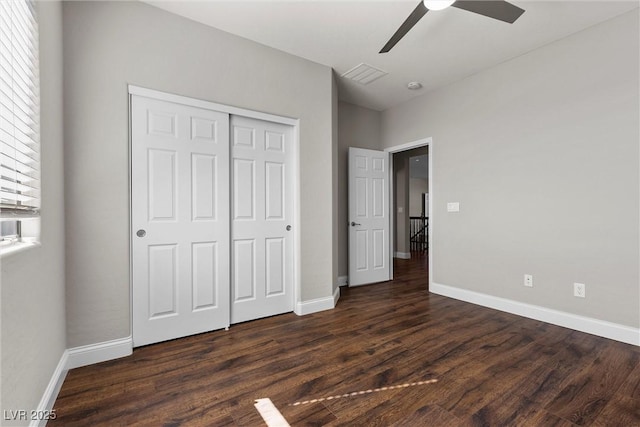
[424, 142]
[208, 105]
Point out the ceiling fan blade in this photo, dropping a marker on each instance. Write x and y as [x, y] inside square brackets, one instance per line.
[500, 10]
[408, 24]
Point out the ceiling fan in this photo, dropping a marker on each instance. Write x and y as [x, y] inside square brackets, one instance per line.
[497, 9]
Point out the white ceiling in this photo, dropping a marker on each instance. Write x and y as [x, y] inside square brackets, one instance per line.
[442, 48]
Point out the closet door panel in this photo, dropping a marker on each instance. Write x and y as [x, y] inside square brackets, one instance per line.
[180, 220]
[262, 192]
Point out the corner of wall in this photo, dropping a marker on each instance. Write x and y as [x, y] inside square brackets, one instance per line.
[335, 181]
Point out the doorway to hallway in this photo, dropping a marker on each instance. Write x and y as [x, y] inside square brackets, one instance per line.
[411, 201]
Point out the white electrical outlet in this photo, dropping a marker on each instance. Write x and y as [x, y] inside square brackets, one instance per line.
[579, 290]
[528, 280]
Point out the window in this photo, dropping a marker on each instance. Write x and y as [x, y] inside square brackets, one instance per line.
[19, 122]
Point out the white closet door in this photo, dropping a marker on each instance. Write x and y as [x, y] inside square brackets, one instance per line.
[262, 219]
[180, 220]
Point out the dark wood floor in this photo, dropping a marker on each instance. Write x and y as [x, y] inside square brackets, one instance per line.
[477, 367]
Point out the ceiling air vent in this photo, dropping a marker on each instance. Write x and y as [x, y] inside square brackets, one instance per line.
[364, 74]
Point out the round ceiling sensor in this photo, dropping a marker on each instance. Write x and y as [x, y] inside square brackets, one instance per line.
[414, 86]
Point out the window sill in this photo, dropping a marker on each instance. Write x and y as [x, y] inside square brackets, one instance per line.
[16, 247]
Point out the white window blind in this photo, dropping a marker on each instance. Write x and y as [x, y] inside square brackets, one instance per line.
[19, 110]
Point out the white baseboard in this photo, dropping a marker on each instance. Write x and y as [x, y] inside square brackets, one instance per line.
[318, 304]
[75, 358]
[601, 328]
[100, 352]
[51, 392]
[402, 255]
[343, 280]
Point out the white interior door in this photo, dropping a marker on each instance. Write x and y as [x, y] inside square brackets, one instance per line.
[262, 219]
[180, 220]
[368, 216]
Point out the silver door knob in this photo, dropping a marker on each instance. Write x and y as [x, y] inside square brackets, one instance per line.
[288, 228]
[141, 233]
[353, 224]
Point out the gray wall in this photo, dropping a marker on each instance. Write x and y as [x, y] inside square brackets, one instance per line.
[357, 127]
[417, 186]
[542, 153]
[110, 44]
[401, 200]
[33, 293]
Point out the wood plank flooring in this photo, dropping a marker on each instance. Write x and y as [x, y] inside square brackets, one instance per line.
[479, 367]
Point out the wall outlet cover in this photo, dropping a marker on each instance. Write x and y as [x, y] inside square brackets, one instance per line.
[579, 290]
[528, 280]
